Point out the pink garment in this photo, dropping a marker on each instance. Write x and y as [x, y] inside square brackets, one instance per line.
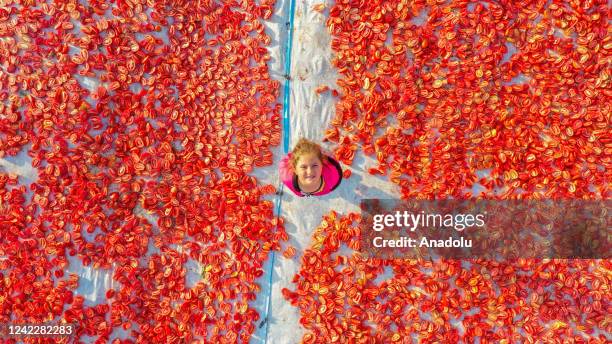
[332, 176]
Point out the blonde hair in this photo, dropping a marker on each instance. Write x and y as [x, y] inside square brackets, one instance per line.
[305, 146]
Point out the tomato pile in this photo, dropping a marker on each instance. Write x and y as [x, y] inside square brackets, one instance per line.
[348, 298]
[143, 120]
[510, 96]
[514, 96]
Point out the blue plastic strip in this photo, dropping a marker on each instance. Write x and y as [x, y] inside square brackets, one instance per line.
[286, 135]
[287, 95]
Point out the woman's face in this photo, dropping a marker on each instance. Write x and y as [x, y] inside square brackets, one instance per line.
[308, 168]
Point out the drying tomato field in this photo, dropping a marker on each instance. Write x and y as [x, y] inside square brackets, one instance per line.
[512, 96]
[143, 125]
[171, 131]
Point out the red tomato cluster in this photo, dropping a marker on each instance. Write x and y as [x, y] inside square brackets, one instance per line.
[348, 298]
[514, 96]
[155, 155]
